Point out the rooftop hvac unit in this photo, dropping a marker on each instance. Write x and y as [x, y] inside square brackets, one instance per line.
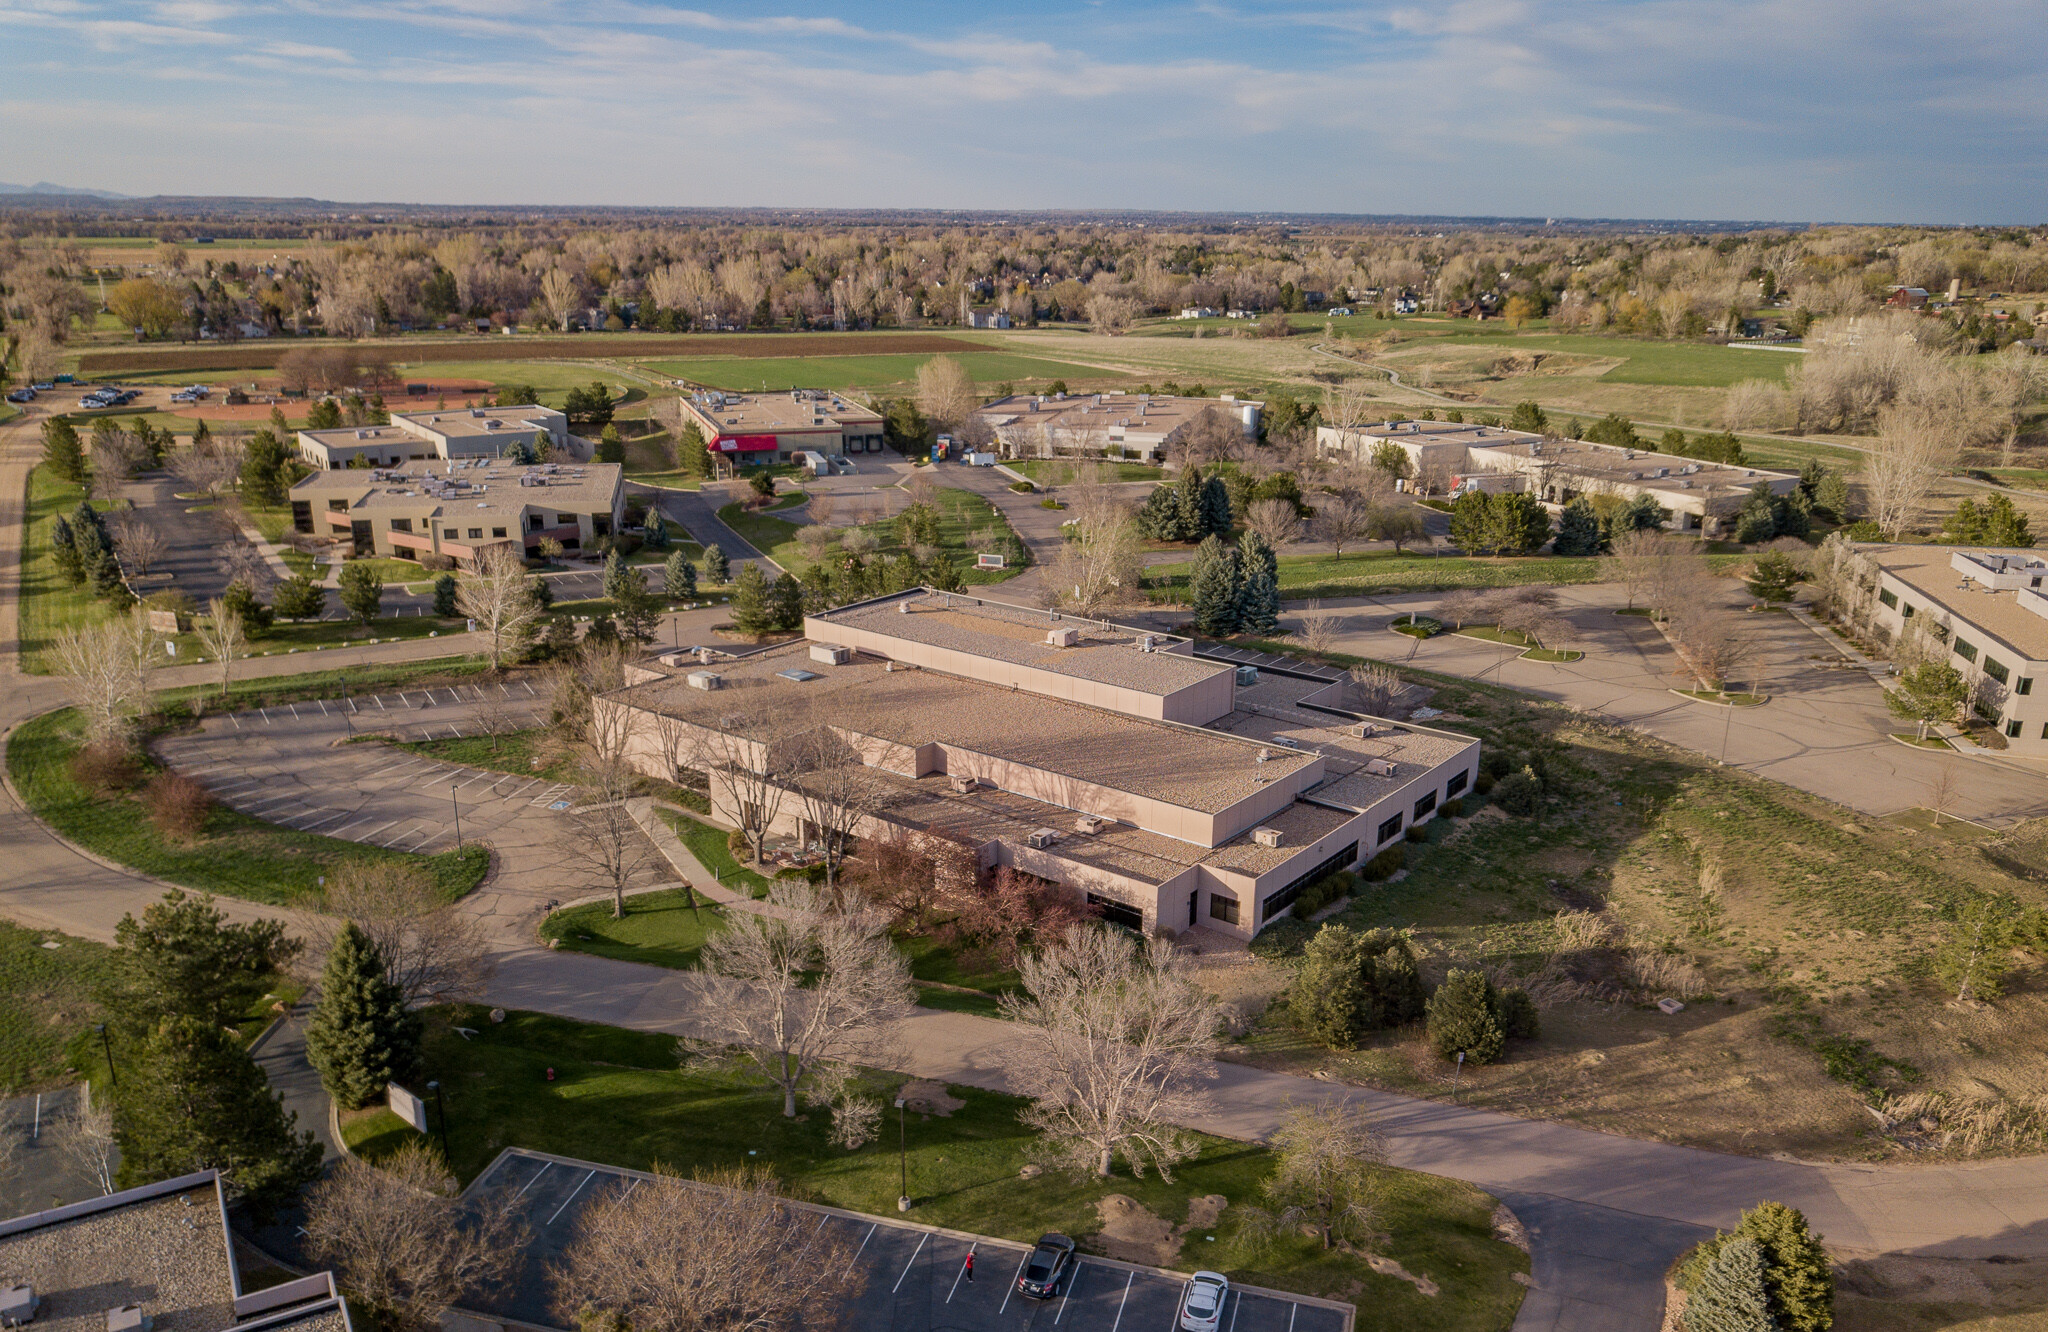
[1066, 636]
[706, 680]
[964, 785]
[1090, 824]
[1148, 644]
[1041, 838]
[1247, 675]
[1379, 767]
[1268, 836]
[1365, 730]
[831, 654]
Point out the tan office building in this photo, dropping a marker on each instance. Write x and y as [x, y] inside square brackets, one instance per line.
[461, 508]
[1140, 426]
[470, 432]
[1987, 613]
[759, 428]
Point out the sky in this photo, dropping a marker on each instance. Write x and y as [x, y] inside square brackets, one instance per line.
[1787, 110]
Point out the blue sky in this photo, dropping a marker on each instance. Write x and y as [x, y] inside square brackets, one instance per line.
[1797, 110]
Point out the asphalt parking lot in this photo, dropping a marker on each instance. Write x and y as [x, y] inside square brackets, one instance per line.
[916, 1279]
[290, 765]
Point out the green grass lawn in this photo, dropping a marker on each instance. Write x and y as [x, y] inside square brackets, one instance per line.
[515, 752]
[234, 856]
[46, 1001]
[619, 1097]
[1376, 571]
[881, 370]
[961, 514]
[659, 929]
[1058, 472]
[708, 844]
[49, 603]
[284, 636]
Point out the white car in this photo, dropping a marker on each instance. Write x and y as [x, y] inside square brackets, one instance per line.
[1201, 1302]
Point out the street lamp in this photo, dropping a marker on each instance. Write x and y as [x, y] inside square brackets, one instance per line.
[903, 1157]
[442, 1106]
[113, 1079]
[454, 800]
[1458, 1076]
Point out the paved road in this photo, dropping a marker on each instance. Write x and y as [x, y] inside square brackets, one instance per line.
[697, 511]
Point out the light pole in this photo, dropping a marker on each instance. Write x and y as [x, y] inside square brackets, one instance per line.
[903, 1158]
[1726, 722]
[106, 1044]
[454, 800]
[1459, 1076]
[442, 1107]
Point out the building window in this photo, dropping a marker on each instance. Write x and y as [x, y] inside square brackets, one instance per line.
[533, 521]
[337, 506]
[1117, 913]
[1223, 908]
[2025, 685]
[565, 520]
[401, 524]
[1906, 611]
[2012, 728]
[1996, 670]
[1967, 651]
[497, 531]
[1390, 829]
[476, 533]
[1889, 597]
[1278, 901]
[1425, 805]
[1455, 785]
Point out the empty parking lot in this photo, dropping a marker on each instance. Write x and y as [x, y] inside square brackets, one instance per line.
[916, 1278]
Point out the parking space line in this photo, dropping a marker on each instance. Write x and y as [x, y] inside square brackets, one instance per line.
[579, 1188]
[863, 1239]
[1013, 1282]
[454, 733]
[308, 827]
[531, 1182]
[266, 715]
[323, 705]
[407, 833]
[1126, 1300]
[912, 1263]
[1292, 1309]
[963, 1272]
[374, 831]
[274, 800]
[346, 826]
[236, 720]
[493, 778]
[427, 834]
[380, 704]
[295, 710]
[1061, 1312]
[1233, 1310]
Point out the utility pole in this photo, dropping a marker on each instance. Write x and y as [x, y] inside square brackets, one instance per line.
[457, 803]
[113, 1079]
[903, 1158]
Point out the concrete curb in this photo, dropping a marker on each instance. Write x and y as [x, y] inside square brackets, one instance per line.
[1710, 703]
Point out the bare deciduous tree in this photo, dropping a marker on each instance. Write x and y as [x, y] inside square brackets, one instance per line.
[1461, 605]
[747, 751]
[1276, 521]
[1912, 448]
[835, 792]
[210, 466]
[1340, 520]
[1115, 1041]
[138, 543]
[107, 666]
[496, 597]
[86, 1138]
[223, 637]
[432, 953]
[945, 392]
[1328, 1174]
[722, 1253]
[802, 985]
[607, 847]
[403, 1242]
[1944, 788]
[1102, 563]
[1375, 686]
[1317, 629]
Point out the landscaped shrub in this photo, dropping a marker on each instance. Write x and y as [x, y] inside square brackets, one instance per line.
[1385, 864]
[1355, 982]
[1418, 832]
[433, 563]
[1418, 626]
[178, 805]
[1797, 1273]
[1483, 783]
[1519, 793]
[1022, 487]
[737, 843]
[1462, 1018]
[1496, 764]
[1285, 937]
[1323, 892]
[103, 768]
[1518, 1018]
[1454, 808]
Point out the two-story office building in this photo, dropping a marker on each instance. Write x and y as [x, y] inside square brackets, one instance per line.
[460, 508]
[1165, 788]
[1988, 611]
[468, 432]
[750, 428]
[1095, 425]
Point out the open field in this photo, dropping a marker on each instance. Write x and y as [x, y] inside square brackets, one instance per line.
[49, 602]
[234, 855]
[619, 1097]
[884, 370]
[46, 1001]
[443, 348]
[1800, 936]
[961, 514]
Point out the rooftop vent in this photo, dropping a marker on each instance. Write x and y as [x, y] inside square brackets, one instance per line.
[1063, 637]
[831, 654]
[963, 784]
[18, 1305]
[1090, 824]
[1379, 767]
[797, 674]
[1264, 756]
[127, 1318]
[705, 680]
[1365, 730]
[1041, 838]
[1247, 675]
[1268, 836]
[1148, 644]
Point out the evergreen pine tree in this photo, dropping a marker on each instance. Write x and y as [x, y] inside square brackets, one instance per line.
[610, 448]
[717, 568]
[1461, 1018]
[679, 577]
[1758, 520]
[1811, 473]
[193, 1099]
[1578, 529]
[1187, 506]
[361, 1036]
[752, 610]
[1212, 588]
[444, 595]
[1797, 1271]
[2005, 525]
[615, 575]
[1258, 588]
[1155, 519]
[657, 531]
[1729, 1295]
[787, 596]
[63, 454]
[64, 549]
[1831, 496]
[1215, 507]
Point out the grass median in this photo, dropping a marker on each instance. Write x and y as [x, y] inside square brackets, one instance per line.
[233, 855]
[619, 1097]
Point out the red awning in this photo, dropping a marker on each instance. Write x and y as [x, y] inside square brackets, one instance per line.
[743, 443]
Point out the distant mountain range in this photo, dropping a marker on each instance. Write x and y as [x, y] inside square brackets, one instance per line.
[45, 187]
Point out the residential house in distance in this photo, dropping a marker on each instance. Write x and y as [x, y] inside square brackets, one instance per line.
[1987, 610]
[988, 319]
[468, 432]
[1089, 425]
[461, 508]
[1702, 496]
[747, 428]
[158, 1258]
[1165, 788]
[1907, 298]
[1196, 312]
